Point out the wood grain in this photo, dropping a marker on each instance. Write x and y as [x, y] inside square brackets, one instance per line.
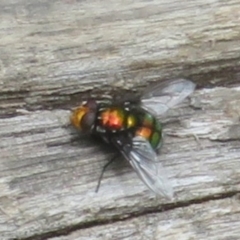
[48, 174]
[55, 53]
[213, 220]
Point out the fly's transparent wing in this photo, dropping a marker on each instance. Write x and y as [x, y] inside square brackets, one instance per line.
[160, 97]
[144, 161]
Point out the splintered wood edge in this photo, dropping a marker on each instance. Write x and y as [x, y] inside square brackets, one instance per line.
[48, 174]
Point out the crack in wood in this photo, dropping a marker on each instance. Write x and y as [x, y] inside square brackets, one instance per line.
[118, 218]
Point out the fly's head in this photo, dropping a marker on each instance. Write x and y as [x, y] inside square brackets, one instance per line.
[83, 117]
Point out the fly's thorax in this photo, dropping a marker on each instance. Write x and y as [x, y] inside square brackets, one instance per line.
[151, 129]
[116, 118]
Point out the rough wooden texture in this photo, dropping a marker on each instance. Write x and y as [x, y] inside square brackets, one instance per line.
[48, 178]
[53, 53]
[214, 220]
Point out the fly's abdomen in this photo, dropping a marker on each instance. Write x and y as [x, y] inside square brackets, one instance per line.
[151, 129]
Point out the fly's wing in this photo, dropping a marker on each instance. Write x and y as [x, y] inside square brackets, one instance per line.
[144, 161]
[160, 97]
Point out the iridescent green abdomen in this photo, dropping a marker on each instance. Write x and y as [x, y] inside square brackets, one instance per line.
[150, 128]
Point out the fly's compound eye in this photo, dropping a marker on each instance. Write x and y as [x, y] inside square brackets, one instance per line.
[88, 121]
[83, 117]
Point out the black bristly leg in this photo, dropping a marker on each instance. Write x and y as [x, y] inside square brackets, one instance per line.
[104, 169]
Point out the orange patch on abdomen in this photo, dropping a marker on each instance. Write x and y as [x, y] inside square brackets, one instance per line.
[144, 132]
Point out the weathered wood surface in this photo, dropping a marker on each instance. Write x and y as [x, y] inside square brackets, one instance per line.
[52, 53]
[213, 220]
[48, 180]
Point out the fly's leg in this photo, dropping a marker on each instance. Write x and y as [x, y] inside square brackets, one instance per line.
[103, 170]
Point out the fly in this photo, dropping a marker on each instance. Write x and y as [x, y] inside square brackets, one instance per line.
[133, 129]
